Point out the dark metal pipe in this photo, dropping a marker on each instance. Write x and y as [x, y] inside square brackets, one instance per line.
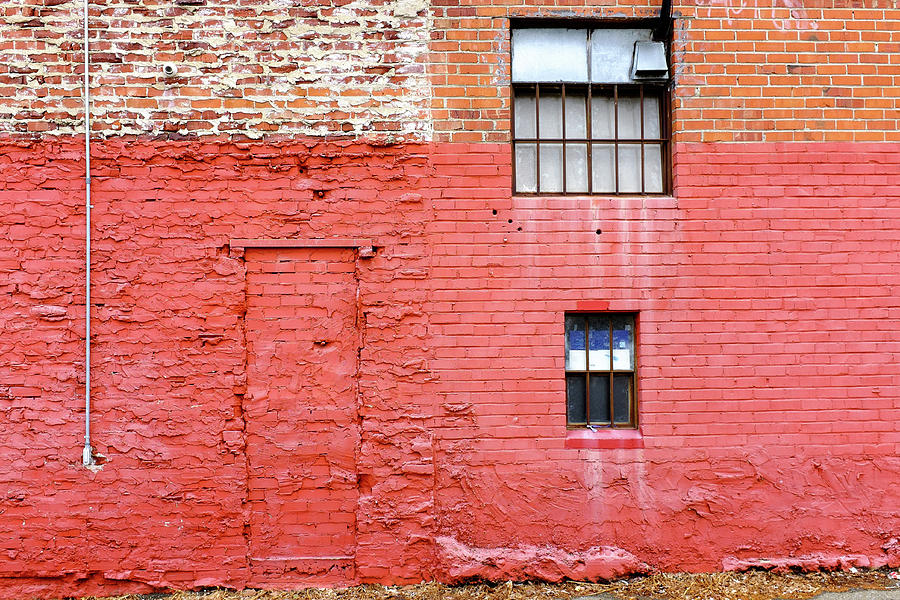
[663, 30]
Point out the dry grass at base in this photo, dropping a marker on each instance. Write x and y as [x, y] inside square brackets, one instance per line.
[753, 585]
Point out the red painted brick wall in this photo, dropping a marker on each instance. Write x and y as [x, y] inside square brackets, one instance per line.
[769, 411]
[299, 418]
[425, 438]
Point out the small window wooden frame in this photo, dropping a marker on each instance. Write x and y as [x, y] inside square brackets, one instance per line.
[614, 378]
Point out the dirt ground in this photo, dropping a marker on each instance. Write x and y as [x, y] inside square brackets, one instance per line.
[753, 585]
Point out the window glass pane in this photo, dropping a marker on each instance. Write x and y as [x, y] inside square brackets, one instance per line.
[551, 167]
[549, 55]
[550, 113]
[576, 168]
[652, 102]
[576, 403]
[629, 115]
[653, 181]
[630, 168]
[575, 349]
[621, 398]
[623, 342]
[576, 112]
[603, 174]
[599, 398]
[524, 114]
[598, 334]
[612, 52]
[526, 168]
[602, 114]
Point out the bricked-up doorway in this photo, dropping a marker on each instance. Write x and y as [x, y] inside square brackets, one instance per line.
[300, 411]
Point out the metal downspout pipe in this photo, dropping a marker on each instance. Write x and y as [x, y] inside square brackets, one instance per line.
[87, 456]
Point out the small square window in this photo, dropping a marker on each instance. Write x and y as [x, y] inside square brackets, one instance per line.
[590, 112]
[600, 371]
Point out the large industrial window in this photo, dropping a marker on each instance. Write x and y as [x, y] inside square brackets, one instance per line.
[600, 371]
[590, 111]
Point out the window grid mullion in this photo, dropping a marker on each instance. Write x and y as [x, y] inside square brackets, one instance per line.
[616, 136]
[598, 140]
[641, 113]
[512, 127]
[587, 112]
[587, 370]
[537, 134]
[612, 403]
[563, 166]
[589, 128]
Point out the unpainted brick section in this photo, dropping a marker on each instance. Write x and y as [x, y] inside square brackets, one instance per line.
[767, 361]
[243, 69]
[774, 70]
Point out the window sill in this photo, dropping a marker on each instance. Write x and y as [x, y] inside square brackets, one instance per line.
[604, 439]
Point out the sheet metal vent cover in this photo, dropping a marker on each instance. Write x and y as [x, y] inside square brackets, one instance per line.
[649, 62]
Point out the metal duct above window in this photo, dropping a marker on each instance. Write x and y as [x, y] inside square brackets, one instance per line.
[649, 62]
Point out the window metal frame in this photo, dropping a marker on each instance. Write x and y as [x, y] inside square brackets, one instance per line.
[611, 373]
[665, 111]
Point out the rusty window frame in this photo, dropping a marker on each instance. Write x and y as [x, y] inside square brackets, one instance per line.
[610, 373]
[663, 141]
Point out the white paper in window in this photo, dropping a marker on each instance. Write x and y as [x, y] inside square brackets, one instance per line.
[576, 113]
[551, 160]
[603, 168]
[653, 181]
[575, 360]
[629, 116]
[575, 344]
[600, 360]
[526, 168]
[630, 168]
[552, 55]
[576, 168]
[602, 115]
[598, 342]
[550, 114]
[525, 115]
[621, 359]
[623, 343]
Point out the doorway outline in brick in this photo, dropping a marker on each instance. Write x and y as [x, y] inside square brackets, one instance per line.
[301, 490]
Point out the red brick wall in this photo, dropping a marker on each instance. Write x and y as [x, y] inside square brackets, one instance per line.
[765, 287]
[767, 364]
[174, 362]
[299, 415]
[773, 70]
[769, 402]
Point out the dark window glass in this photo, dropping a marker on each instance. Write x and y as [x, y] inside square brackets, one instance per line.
[575, 389]
[600, 399]
[622, 398]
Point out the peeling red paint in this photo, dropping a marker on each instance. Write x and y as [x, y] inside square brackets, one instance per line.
[768, 386]
[300, 415]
